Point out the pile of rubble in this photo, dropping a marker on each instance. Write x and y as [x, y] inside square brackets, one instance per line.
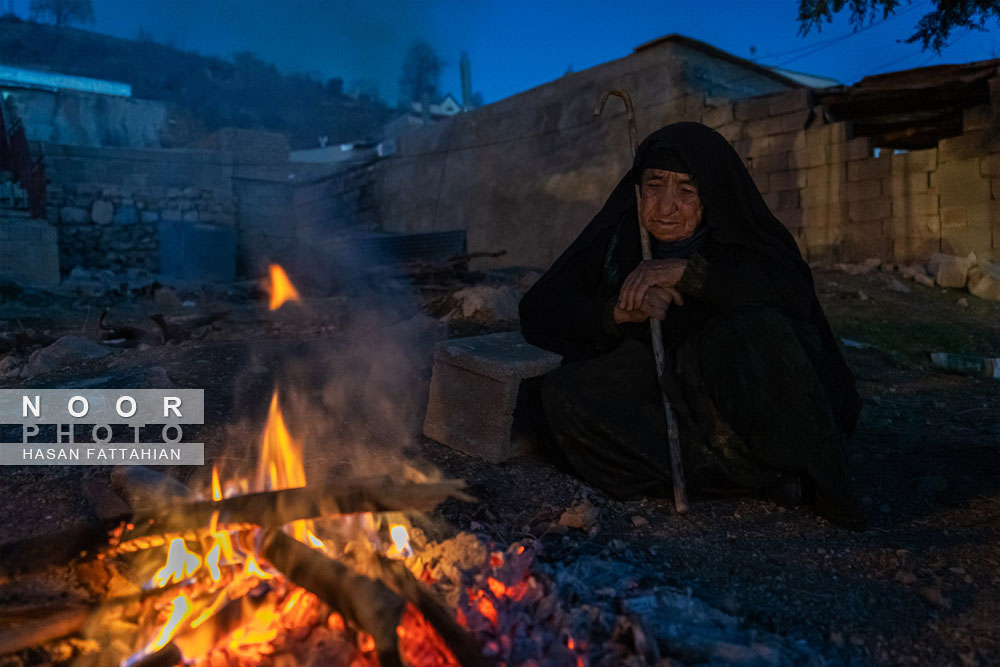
[981, 277]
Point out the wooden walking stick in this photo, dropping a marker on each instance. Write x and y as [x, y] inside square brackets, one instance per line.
[676, 465]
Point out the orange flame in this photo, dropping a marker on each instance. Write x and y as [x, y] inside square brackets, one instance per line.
[181, 564]
[216, 486]
[282, 289]
[400, 542]
[181, 608]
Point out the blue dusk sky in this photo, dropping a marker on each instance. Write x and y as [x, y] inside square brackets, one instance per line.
[515, 45]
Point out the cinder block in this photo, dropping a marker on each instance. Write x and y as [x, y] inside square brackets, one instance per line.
[787, 122]
[975, 236]
[788, 199]
[792, 218]
[865, 239]
[960, 184]
[771, 162]
[859, 170]
[752, 108]
[914, 161]
[474, 388]
[789, 102]
[717, 116]
[916, 225]
[813, 155]
[863, 190]
[732, 131]
[925, 203]
[858, 149]
[788, 141]
[786, 180]
[875, 209]
[901, 185]
[969, 145]
[953, 217]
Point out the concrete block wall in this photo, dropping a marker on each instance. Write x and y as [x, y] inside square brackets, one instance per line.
[527, 173]
[845, 200]
[107, 203]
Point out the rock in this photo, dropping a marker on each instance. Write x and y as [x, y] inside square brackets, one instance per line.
[126, 215]
[67, 350]
[102, 212]
[485, 303]
[582, 516]
[912, 270]
[935, 597]
[923, 279]
[951, 270]
[905, 578]
[7, 364]
[862, 296]
[639, 521]
[963, 302]
[896, 286]
[166, 298]
[862, 268]
[73, 215]
[984, 281]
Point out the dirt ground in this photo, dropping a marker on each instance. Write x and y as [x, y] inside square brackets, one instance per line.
[921, 586]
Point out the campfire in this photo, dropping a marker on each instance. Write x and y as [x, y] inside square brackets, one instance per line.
[264, 568]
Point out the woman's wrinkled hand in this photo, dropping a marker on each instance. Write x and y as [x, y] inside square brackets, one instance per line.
[654, 305]
[660, 273]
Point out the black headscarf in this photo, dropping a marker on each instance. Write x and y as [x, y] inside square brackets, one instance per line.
[739, 221]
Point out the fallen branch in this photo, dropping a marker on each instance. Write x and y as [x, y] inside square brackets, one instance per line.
[21, 629]
[143, 529]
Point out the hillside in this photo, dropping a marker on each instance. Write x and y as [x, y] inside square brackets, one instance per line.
[247, 93]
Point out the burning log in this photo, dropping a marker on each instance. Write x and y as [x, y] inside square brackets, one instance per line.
[454, 635]
[24, 628]
[150, 528]
[368, 603]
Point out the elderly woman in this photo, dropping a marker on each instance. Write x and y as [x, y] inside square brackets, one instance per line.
[764, 399]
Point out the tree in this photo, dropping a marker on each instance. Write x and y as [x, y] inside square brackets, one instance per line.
[62, 12]
[932, 30]
[421, 74]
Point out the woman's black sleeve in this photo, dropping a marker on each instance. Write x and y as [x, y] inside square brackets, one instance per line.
[566, 311]
[726, 280]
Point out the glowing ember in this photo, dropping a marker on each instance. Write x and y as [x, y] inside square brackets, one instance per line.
[181, 564]
[282, 289]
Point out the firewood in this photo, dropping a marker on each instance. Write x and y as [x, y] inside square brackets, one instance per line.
[142, 529]
[25, 628]
[461, 643]
[367, 603]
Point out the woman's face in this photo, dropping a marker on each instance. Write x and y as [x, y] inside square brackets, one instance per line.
[669, 206]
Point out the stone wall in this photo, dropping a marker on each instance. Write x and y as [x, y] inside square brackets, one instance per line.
[87, 119]
[109, 203]
[28, 249]
[527, 173]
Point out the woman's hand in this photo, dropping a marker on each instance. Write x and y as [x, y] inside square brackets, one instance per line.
[654, 304]
[660, 273]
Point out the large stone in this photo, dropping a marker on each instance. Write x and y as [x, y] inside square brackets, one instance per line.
[65, 351]
[951, 270]
[126, 215]
[73, 215]
[984, 281]
[474, 391]
[102, 212]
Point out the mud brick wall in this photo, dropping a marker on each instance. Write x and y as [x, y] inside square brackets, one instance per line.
[107, 203]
